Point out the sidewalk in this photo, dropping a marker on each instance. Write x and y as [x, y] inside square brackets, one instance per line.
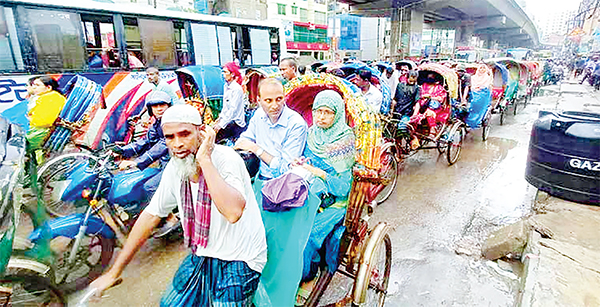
[559, 245]
[562, 256]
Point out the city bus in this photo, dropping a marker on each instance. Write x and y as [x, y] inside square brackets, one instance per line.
[113, 43]
[471, 54]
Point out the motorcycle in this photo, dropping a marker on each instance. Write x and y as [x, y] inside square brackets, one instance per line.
[113, 202]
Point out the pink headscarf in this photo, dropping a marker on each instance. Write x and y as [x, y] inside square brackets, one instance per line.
[482, 78]
[235, 70]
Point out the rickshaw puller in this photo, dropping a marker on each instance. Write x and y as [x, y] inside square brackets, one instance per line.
[221, 221]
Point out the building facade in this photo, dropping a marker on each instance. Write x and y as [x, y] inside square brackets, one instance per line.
[186, 5]
[305, 25]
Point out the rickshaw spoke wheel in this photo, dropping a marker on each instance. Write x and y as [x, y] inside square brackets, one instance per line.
[53, 178]
[390, 172]
[455, 139]
[28, 290]
[373, 276]
[485, 128]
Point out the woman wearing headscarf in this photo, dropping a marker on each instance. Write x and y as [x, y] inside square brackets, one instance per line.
[232, 119]
[329, 155]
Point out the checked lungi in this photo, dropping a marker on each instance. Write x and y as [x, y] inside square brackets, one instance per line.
[204, 281]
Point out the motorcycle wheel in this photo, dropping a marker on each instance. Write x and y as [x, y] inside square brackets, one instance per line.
[29, 290]
[93, 257]
[53, 177]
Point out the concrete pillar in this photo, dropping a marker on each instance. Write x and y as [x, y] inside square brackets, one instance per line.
[416, 32]
[464, 35]
[395, 32]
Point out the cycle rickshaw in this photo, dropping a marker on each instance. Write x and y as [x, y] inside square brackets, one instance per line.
[499, 84]
[351, 71]
[511, 94]
[450, 131]
[479, 113]
[365, 253]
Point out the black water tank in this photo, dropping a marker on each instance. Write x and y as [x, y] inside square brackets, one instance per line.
[564, 155]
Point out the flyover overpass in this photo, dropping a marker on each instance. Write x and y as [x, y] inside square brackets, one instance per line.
[495, 21]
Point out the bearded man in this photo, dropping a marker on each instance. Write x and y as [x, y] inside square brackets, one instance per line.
[220, 217]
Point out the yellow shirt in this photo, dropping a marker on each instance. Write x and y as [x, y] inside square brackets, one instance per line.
[46, 110]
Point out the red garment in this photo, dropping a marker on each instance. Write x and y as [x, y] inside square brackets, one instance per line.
[441, 114]
[235, 70]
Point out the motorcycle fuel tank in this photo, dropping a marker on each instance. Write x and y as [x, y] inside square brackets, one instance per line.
[128, 187]
[81, 177]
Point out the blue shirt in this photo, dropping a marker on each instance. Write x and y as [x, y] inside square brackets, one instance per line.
[284, 140]
[167, 88]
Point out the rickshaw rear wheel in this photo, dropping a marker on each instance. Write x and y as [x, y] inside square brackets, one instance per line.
[52, 177]
[32, 289]
[455, 140]
[370, 287]
[515, 104]
[390, 172]
[485, 128]
[502, 113]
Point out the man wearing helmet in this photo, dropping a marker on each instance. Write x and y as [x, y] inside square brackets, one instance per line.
[152, 147]
[149, 149]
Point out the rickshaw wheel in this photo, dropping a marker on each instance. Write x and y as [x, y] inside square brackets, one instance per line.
[455, 140]
[502, 112]
[391, 172]
[515, 104]
[52, 178]
[441, 146]
[370, 287]
[29, 288]
[485, 128]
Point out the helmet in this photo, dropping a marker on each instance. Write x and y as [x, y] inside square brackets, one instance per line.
[157, 97]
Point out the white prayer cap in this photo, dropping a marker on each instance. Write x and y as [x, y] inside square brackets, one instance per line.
[182, 113]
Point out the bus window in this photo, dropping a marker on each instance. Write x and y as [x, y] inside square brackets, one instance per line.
[235, 43]
[57, 39]
[10, 50]
[133, 43]
[158, 42]
[101, 48]
[225, 46]
[274, 39]
[181, 45]
[247, 47]
[261, 52]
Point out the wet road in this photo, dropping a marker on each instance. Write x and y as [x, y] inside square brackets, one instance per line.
[440, 216]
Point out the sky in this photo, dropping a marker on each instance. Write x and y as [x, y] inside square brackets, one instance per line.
[543, 7]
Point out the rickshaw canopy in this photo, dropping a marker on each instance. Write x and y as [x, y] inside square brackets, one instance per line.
[497, 66]
[450, 77]
[300, 93]
[412, 65]
[204, 81]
